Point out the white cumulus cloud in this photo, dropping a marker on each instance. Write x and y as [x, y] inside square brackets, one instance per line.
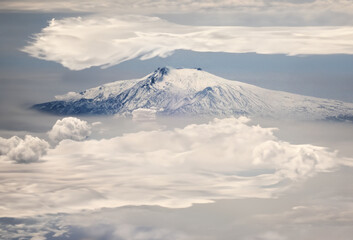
[70, 128]
[224, 159]
[27, 150]
[73, 42]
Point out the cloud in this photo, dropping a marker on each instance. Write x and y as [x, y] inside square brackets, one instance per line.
[289, 7]
[325, 212]
[138, 233]
[72, 42]
[31, 149]
[41, 227]
[144, 114]
[149, 6]
[70, 128]
[270, 236]
[207, 12]
[224, 159]
[27, 150]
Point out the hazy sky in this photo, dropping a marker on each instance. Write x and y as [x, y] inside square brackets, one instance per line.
[109, 178]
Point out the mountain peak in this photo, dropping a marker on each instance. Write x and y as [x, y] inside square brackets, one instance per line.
[189, 79]
[158, 74]
[161, 72]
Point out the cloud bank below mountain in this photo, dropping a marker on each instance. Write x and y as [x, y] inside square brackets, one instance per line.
[73, 42]
[224, 159]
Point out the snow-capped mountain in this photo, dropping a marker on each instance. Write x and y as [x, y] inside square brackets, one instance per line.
[193, 91]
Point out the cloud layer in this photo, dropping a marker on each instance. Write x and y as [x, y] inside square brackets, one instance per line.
[289, 7]
[70, 128]
[224, 159]
[26, 150]
[73, 42]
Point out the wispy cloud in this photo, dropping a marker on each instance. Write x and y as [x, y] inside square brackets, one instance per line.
[182, 6]
[224, 159]
[144, 114]
[249, 219]
[79, 43]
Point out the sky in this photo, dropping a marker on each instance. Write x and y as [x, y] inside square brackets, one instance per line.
[104, 177]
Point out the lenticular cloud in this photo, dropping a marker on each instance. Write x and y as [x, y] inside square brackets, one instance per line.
[224, 159]
[79, 43]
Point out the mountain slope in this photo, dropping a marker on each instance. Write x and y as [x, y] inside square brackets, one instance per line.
[193, 91]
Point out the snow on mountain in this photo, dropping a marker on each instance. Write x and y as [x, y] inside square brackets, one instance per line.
[193, 91]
